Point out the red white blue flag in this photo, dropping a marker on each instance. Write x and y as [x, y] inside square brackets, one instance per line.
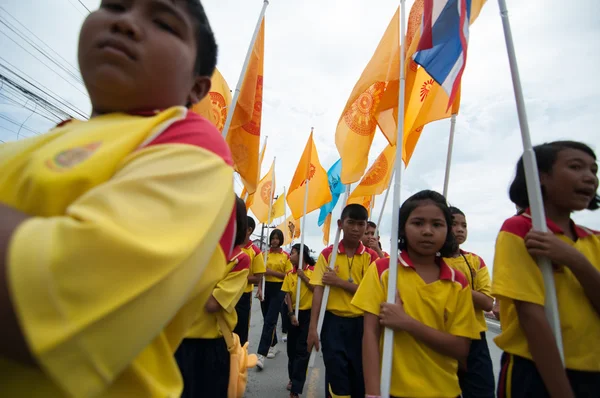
[442, 49]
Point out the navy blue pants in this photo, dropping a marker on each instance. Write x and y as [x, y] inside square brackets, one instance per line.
[297, 351]
[341, 342]
[270, 306]
[243, 308]
[204, 366]
[525, 380]
[478, 380]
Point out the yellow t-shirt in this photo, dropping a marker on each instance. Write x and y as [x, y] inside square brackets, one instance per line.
[345, 268]
[257, 263]
[446, 305]
[518, 277]
[476, 272]
[227, 292]
[93, 277]
[278, 261]
[290, 285]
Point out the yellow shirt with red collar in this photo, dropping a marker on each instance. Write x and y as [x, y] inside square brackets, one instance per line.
[474, 269]
[257, 263]
[290, 285]
[279, 261]
[349, 269]
[518, 277]
[90, 270]
[227, 292]
[445, 305]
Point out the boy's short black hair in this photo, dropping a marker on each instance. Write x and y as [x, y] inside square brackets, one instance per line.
[206, 44]
[276, 233]
[251, 224]
[371, 224]
[355, 212]
[450, 246]
[241, 218]
[545, 155]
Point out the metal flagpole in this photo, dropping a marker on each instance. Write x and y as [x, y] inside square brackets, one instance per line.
[449, 157]
[336, 245]
[388, 336]
[269, 222]
[534, 190]
[238, 88]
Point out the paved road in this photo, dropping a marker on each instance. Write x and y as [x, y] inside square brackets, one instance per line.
[271, 382]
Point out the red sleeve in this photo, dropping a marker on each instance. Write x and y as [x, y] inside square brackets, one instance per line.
[242, 264]
[382, 264]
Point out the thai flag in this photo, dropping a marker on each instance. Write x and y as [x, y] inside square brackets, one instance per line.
[442, 50]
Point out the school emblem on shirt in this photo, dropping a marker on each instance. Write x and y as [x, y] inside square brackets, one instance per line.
[69, 158]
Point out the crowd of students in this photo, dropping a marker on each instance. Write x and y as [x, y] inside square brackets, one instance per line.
[126, 267]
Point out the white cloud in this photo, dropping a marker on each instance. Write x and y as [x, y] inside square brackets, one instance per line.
[317, 49]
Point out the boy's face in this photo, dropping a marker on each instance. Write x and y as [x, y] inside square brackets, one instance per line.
[139, 55]
[369, 236]
[354, 230]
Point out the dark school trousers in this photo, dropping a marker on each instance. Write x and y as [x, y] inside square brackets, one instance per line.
[519, 378]
[341, 342]
[243, 308]
[285, 319]
[478, 380]
[270, 307]
[297, 351]
[204, 366]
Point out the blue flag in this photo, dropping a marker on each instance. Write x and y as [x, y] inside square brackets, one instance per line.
[335, 187]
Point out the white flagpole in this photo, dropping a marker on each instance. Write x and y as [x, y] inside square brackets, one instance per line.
[385, 198]
[449, 157]
[534, 190]
[269, 222]
[238, 88]
[301, 256]
[336, 245]
[388, 337]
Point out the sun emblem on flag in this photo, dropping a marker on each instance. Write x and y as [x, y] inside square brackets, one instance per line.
[265, 192]
[291, 228]
[360, 117]
[311, 173]
[253, 126]
[218, 108]
[426, 88]
[377, 171]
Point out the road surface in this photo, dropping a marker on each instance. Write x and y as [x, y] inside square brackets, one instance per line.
[272, 381]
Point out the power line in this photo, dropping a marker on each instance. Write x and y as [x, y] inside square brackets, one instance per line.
[84, 6]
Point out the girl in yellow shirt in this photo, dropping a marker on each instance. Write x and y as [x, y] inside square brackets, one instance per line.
[531, 364]
[433, 317]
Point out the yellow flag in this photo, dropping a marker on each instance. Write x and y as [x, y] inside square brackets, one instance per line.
[309, 169]
[215, 105]
[243, 136]
[368, 202]
[377, 179]
[264, 196]
[249, 198]
[278, 209]
[291, 230]
[327, 229]
[356, 127]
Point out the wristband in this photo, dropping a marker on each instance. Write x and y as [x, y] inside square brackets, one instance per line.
[290, 314]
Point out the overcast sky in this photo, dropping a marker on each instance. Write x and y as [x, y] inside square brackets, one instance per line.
[315, 50]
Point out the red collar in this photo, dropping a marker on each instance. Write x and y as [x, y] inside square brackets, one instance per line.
[359, 250]
[279, 250]
[249, 245]
[446, 272]
[235, 253]
[580, 232]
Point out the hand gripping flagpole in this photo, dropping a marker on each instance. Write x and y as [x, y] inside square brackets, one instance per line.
[449, 157]
[534, 190]
[301, 257]
[238, 88]
[336, 245]
[268, 223]
[388, 336]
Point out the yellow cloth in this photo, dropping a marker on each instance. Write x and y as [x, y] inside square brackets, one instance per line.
[290, 285]
[518, 277]
[446, 305]
[264, 196]
[89, 272]
[215, 105]
[278, 261]
[257, 263]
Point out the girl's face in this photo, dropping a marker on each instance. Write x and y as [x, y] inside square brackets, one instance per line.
[459, 228]
[275, 243]
[426, 229]
[294, 257]
[573, 181]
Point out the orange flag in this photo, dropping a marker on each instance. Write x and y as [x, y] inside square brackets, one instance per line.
[309, 170]
[356, 127]
[291, 230]
[377, 179]
[215, 105]
[368, 202]
[264, 194]
[327, 229]
[243, 136]
[249, 198]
